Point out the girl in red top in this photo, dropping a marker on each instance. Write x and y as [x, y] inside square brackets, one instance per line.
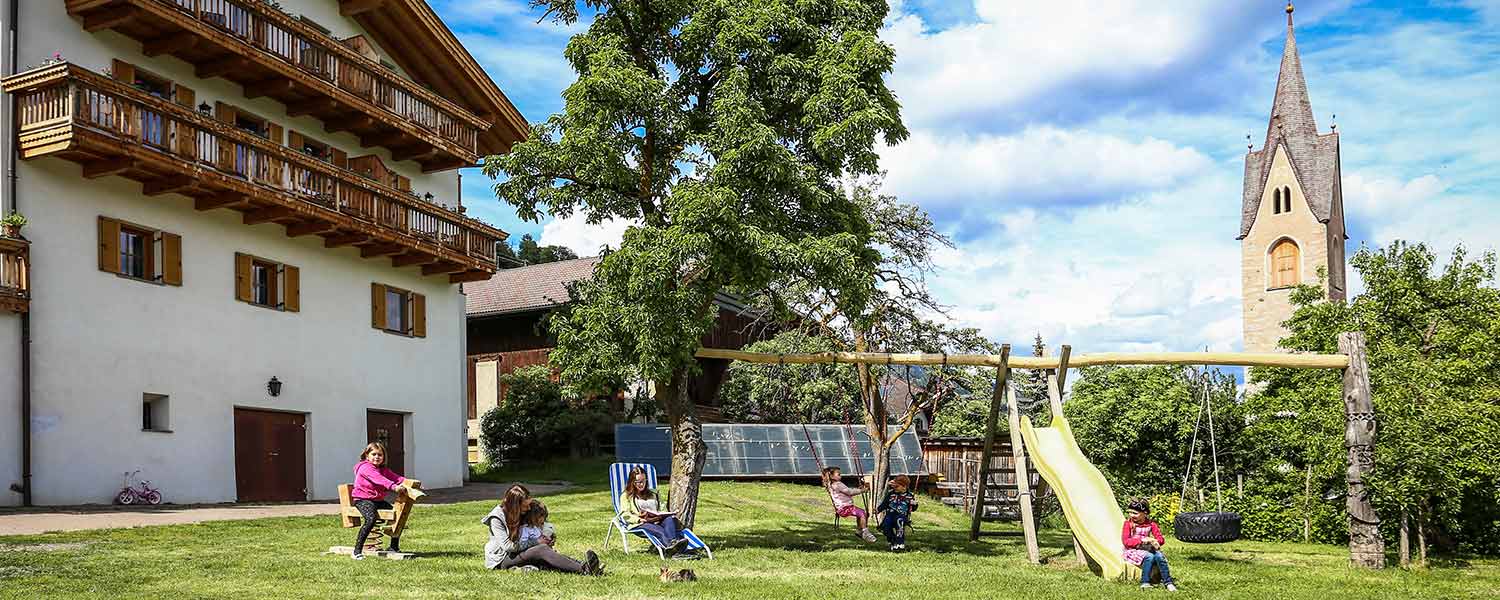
[1143, 542]
[372, 481]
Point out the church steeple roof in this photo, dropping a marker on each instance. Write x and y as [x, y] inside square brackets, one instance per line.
[1291, 111]
[1314, 157]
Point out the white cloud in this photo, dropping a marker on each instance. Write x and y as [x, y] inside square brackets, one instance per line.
[582, 237]
[1050, 58]
[1041, 164]
[1157, 274]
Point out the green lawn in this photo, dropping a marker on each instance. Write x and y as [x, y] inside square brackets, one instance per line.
[771, 540]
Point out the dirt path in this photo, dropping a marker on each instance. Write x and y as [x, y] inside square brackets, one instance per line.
[31, 521]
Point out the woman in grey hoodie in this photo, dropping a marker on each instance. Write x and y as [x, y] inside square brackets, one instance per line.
[506, 549]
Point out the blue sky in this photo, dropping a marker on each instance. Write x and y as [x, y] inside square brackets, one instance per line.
[1087, 156]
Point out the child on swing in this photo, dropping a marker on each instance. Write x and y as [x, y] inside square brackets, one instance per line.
[898, 505]
[1143, 542]
[843, 501]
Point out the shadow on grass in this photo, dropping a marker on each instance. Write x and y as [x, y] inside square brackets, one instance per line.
[822, 537]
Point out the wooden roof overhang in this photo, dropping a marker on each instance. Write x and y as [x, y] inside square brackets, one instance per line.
[72, 113]
[422, 45]
[276, 55]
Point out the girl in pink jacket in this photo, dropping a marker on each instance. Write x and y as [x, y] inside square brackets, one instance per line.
[1143, 542]
[843, 501]
[372, 481]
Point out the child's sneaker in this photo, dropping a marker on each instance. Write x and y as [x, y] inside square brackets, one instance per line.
[895, 547]
[1171, 587]
[359, 556]
[901, 547]
[1145, 586]
[865, 535]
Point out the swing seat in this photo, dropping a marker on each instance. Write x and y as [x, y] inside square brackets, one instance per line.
[1206, 527]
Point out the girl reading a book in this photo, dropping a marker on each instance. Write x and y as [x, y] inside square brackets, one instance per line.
[639, 509]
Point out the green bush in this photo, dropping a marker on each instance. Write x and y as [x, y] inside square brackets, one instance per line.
[535, 422]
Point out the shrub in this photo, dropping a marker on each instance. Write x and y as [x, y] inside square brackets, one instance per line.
[535, 422]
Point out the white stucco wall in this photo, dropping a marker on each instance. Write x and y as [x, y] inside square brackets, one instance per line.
[10, 407]
[101, 341]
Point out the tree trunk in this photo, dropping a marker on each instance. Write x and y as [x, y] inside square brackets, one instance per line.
[1422, 535]
[689, 453]
[1403, 542]
[1306, 500]
[875, 418]
[1366, 547]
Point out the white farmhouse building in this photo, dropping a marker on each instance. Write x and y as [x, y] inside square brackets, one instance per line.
[246, 249]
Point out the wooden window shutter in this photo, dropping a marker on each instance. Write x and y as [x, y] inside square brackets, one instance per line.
[225, 112]
[295, 141]
[377, 306]
[242, 270]
[291, 288]
[109, 245]
[340, 158]
[275, 134]
[122, 71]
[171, 258]
[418, 315]
[184, 95]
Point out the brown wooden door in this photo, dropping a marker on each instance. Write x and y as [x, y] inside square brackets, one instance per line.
[270, 455]
[386, 428]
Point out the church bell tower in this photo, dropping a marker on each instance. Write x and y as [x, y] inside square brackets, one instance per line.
[1292, 214]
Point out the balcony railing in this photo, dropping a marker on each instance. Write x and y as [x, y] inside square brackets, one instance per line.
[111, 128]
[15, 287]
[277, 55]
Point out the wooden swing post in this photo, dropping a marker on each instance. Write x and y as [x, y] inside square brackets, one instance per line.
[1023, 479]
[1002, 373]
[1366, 547]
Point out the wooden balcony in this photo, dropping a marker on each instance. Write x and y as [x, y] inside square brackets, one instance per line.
[15, 282]
[273, 54]
[111, 128]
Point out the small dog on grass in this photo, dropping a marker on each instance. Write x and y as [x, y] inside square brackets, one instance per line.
[670, 576]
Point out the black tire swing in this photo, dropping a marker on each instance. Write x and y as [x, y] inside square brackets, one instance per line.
[1215, 527]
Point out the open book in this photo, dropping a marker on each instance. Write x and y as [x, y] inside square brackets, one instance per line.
[656, 513]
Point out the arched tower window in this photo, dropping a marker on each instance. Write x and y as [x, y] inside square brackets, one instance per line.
[1276, 201]
[1286, 262]
[1286, 199]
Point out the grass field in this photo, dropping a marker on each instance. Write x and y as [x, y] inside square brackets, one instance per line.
[770, 540]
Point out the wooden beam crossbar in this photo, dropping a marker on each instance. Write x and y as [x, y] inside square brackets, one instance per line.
[167, 185]
[169, 44]
[267, 215]
[1246, 359]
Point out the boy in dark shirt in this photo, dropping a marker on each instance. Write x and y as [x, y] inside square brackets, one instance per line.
[898, 505]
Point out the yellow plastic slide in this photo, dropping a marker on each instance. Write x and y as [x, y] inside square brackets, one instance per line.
[1086, 498]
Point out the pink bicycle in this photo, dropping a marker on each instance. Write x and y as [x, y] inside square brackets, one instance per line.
[145, 494]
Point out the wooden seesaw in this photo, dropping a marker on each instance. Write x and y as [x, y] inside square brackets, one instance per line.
[390, 522]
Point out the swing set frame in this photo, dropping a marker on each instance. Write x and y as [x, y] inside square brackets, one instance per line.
[1366, 547]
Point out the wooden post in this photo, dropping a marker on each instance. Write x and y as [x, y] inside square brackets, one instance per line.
[991, 423]
[1023, 479]
[1366, 547]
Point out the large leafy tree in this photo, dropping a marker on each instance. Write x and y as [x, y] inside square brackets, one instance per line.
[1137, 425]
[722, 129]
[1433, 347]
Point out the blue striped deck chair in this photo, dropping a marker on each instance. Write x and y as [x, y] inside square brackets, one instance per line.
[618, 474]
